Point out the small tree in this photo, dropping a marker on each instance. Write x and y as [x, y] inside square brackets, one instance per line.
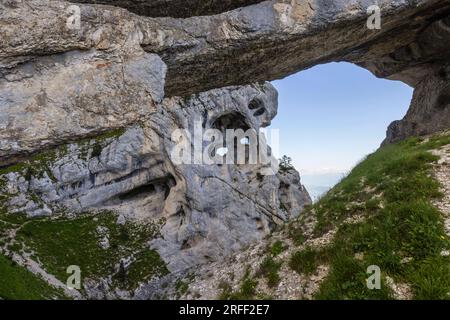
[286, 164]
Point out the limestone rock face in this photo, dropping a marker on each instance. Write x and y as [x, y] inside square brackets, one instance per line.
[273, 39]
[69, 96]
[428, 58]
[263, 41]
[210, 211]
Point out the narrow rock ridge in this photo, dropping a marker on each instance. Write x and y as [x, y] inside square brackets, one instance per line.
[429, 111]
[275, 39]
[262, 42]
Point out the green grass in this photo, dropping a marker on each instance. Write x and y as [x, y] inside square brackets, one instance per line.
[347, 280]
[182, 285]
[431, 279]
[399, 172]
[247, 290]
[269, 268]
[147, 265]
[296, 234]
[59, 243]
[277, 248]
[17, 283]
[393, 189]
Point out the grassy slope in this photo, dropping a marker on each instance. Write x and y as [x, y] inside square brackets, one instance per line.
[402, 232]
[62, 242]
[59, 243]
[17, 283]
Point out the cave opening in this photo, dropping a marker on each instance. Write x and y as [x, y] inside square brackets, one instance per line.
[234, 121]
[160, 186]
[331, 116]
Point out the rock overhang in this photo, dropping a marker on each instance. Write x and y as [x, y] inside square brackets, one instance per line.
[265, 41]
[262, 42]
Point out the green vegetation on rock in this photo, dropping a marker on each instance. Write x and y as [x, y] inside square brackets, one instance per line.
[400, 230]
[38, 164]
[305, 261]
[247, 290]
[147, 264]
[17, 283]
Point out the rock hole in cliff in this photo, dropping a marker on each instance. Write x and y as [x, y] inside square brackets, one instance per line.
[331, 116]
[141, 190]
[283, 195]
[257, 106]
[233, 121]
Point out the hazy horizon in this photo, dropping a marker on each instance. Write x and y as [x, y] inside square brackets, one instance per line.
[331, 116]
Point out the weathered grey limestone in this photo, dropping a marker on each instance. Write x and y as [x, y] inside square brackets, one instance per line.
[265, 41]
[428, 60]
[210, 211]
[274, 39]
[428, 51]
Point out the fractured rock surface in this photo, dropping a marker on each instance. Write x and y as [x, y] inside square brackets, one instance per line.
[69, 96]
[210, 211]
[266, 41]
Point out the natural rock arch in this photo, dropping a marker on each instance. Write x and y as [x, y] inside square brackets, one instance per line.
[264, 41]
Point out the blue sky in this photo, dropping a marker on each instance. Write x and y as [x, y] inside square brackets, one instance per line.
[332, 115]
